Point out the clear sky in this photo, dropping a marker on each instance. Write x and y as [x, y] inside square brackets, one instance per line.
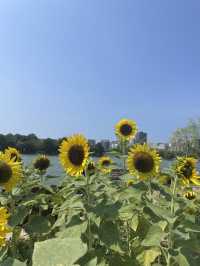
[70, 66]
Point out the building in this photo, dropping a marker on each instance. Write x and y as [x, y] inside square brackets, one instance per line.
[106, 144]
[140, 138]
[160, 146]
[114, 144]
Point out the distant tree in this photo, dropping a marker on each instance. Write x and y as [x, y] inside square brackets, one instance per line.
[187, 140]
[11, 140]
[50, 146]
[3, 142]
[30, 146]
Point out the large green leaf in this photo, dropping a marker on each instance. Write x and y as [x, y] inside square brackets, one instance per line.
[38, 224]
[74, 231]
[182, 260]
[109, 235]
[147, 257]
[12, 262]
[19, 215]
[58, 252]
[154, 236]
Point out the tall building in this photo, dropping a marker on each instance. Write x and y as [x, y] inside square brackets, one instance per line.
[106, 144]
[140, 138]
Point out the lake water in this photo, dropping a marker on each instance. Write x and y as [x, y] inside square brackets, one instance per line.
[56, 170]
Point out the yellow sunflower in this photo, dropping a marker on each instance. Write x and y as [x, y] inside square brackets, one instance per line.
[143, 162]
[90, 168]
[185, 168]
[190, 195]
[104, 164]
[13, 154]
[10, 172]
[74, 154]
[4, 229]
[41, 163]
[126, 129]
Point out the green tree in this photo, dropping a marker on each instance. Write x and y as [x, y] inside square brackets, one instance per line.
[187, 140]
[50, 146]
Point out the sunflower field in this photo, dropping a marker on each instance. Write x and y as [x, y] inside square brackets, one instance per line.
[101, 214]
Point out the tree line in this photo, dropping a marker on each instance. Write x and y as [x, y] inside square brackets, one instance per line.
[31, 144]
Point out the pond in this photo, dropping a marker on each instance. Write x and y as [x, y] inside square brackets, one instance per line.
[56, 170]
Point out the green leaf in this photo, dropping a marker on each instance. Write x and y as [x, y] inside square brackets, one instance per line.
[126, 212]
[73, 231]
[154, 236]
[147, 257]
[12, 262]
[134, 222]
[107, 211]
[92, 262]
[58, 252]
[161, 212]
[109, 235]
[182, 260]
[19, 216]
[162, 224]
[38, 224]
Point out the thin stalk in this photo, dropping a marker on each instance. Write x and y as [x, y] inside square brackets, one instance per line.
[170, 226]
[128, 239]
[88, 205]
[123, 150]
[150, 190]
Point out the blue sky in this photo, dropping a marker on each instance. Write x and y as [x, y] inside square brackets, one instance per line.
[70, 66]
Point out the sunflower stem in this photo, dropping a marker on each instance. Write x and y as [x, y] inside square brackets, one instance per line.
[128, 239]
[150, 190]
[171, 244]
[124, 146]
[88, 215]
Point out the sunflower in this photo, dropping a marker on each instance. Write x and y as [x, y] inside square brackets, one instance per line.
[10, 172]
[74, 154]
[126, 129]
[4, 229]
[143, 162]
[13, 154]
[104, 164]
[90, 168]
[41, 163]
[185, 168]
[190, 195]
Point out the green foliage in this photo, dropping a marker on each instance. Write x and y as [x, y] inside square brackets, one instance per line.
[29, 144]
[93, 220]
[58, 252]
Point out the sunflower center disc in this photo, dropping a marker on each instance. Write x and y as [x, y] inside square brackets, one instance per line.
[42, 164]
[187, 171]
[5, 172]
[126, 130]
[143, 162]
[106, 163]
[76, 155]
